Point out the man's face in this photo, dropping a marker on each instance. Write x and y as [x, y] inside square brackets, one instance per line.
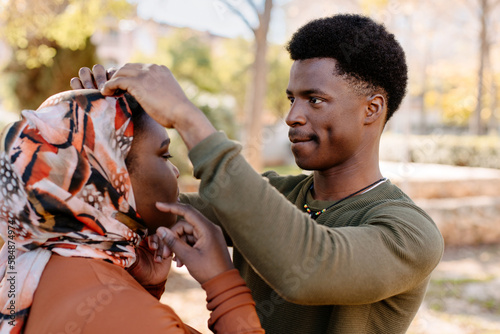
[326, 115]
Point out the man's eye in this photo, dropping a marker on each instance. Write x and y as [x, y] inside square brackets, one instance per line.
[291, 99]
[315, 100]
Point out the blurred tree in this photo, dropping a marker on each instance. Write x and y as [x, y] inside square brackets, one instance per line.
[233, 64]
[484, 10]
[493, 125]
[50, 41]
[279, 64]
[31, 86]
[257, 90]
[456, 100]
[215, 72]
[189, 55]
[368, 6]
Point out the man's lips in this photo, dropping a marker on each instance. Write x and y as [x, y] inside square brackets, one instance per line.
[299, 140]
[296, 137]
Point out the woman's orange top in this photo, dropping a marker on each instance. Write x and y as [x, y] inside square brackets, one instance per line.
[81, 295]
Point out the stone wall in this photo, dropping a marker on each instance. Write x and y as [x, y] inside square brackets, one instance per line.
[463, 201]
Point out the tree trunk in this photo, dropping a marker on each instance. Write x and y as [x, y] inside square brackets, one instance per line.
[493, 122]
[475, 120]
[253, 133]
[422, 126]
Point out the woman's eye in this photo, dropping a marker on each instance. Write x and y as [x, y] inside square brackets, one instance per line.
[315, 100]
[166, 157]
[291, 99]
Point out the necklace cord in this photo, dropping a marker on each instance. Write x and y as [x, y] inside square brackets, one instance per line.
[315, 215]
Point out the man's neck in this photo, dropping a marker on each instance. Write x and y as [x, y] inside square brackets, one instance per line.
[337, 183]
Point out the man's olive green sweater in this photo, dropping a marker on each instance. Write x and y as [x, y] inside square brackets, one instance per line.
[362, 267]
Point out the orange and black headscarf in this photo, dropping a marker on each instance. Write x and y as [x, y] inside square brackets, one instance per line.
[65, 189]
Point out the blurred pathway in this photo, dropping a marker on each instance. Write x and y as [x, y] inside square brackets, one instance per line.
[464, 294]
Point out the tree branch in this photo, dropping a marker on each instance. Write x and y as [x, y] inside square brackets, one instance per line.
[471, 4]
[240, 14]
[254, 6]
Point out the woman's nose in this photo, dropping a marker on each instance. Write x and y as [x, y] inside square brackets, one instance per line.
[176, 171]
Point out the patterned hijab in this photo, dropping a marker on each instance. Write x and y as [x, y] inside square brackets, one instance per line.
[64, 188]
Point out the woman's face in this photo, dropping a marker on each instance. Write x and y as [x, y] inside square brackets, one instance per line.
[153, 176]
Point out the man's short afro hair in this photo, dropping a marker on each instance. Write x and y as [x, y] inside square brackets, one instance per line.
[366, 53]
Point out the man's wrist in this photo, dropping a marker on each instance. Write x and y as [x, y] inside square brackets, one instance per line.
[194, 126]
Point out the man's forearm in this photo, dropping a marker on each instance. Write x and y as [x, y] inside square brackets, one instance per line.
[194, 126]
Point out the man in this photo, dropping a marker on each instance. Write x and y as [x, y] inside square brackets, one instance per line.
[342, 250]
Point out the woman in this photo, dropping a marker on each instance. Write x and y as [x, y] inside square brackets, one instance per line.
[79, 179]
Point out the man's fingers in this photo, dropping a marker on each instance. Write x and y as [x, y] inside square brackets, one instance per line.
[182, 227]
[191, 240]
[100, 75]
[179, 262]
[190, 214]
[86, 78]
[110, 72]
[176, 245]
[75, 83]
[153, 242]
[127, 70]
[165, 253]
[116, 84]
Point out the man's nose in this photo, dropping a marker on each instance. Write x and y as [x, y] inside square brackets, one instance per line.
[296, 116]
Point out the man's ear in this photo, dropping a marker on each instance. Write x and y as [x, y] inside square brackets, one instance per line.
[375, 108]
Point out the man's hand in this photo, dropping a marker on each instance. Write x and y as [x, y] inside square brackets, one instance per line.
[154, 87]
[161, 96]
[196, 242]
[151, 266]
[92, 79]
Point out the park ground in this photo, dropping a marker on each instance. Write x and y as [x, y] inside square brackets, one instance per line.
[462, 298]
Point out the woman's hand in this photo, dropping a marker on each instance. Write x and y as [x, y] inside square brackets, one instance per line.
[196, 242]
[92, 79]
[153, 263]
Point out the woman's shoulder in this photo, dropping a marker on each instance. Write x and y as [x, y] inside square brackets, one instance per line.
[96, 295]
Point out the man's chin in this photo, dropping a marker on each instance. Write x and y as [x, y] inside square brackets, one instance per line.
[302, 164]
